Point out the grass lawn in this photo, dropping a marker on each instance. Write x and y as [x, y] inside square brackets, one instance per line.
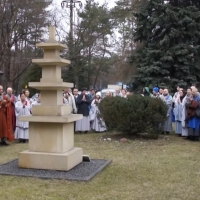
[163, 169]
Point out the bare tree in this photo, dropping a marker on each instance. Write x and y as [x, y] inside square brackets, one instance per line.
[22, 24]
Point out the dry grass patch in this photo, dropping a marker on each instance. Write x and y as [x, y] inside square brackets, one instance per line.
[168, 168]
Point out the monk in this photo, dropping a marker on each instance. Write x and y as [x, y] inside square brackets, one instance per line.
[6, 132]
[13, 100]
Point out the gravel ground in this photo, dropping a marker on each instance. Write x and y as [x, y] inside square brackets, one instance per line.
[82, 172]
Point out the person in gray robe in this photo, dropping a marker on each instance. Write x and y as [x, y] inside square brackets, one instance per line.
[178, 110]
[176, 95]
[167, 98]
[186, 101]
[98, 124]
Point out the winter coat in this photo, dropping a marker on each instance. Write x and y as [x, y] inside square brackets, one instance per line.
[83, 106]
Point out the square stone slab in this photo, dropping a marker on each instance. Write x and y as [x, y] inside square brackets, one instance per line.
[85, 171]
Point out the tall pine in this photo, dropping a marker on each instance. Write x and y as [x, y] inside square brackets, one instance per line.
[169, 35]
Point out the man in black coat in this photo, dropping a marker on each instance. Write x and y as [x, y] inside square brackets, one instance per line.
[83, 103]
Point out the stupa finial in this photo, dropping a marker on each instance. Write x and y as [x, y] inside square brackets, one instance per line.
[52, 33]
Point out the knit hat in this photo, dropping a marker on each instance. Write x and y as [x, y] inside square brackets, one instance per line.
[155, 89]
[98, 94]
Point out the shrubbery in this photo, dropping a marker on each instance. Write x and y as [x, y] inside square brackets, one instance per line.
[134, 115]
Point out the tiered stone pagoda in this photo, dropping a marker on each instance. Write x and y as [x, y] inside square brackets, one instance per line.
[51, 126]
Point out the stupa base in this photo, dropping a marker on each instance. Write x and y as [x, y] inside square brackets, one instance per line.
[51, 161]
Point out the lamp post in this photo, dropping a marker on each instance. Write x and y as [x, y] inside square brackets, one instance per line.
[1, 74]
[71, 4]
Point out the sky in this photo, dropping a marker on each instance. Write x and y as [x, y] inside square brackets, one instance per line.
[111, 3]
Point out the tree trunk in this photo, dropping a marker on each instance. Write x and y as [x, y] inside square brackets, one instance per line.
[89, 68]
[96, 77]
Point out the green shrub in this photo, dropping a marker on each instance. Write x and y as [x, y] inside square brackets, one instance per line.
[134, 115]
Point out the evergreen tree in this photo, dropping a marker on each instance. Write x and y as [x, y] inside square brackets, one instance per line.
[169, 36]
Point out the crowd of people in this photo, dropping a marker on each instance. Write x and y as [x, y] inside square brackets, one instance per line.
[183, 111]
[12, 107]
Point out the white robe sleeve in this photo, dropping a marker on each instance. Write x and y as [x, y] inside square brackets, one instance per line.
[93, 103]
[73, 104]
[18, 107]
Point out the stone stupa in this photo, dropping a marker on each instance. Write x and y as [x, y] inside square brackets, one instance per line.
[51, 126]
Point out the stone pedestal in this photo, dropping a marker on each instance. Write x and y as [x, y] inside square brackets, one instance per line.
[51, 126]
[51, 161]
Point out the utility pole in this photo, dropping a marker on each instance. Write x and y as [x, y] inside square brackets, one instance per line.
[71, 4]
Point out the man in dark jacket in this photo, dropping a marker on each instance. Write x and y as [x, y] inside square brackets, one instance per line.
[83, 103]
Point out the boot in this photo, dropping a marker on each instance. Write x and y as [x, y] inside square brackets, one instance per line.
[4, 141]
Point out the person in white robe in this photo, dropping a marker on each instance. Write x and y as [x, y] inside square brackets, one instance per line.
[123, 93]
[68, 99]
[177, 94]
[98, 124]
[175, 99]
[36, 103]
[27, 94]
[118, 93]
[167, 98]
[22, 108]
